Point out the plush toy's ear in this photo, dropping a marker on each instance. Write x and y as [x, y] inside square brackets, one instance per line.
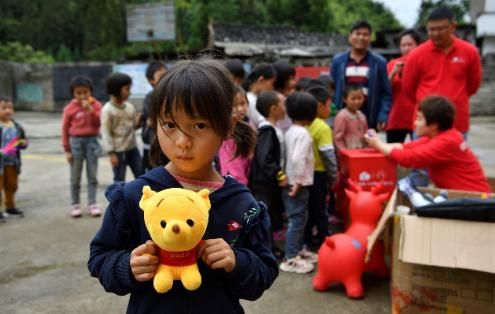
[204, 195]
[147, 194]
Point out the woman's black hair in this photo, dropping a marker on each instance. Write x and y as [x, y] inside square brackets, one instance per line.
[116, 81]
[301, 106]
[415, 35]
[265, 70]
[81, 81]
[438, 109]
[201, 88]
[236, 68]
[284, 71]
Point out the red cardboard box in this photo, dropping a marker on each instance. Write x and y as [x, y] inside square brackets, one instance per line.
[367, 168]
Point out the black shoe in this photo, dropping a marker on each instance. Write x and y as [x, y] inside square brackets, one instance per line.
[2, 217]
[15, 212]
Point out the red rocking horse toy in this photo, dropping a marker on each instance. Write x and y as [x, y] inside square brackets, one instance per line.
[341, 256]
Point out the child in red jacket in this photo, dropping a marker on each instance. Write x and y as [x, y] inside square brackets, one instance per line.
[440, 148]
[80, 130]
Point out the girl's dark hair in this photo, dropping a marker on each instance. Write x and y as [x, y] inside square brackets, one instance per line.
[116, 81]
[352, 87]
[265, 70]
[301, 106]
[438, 109]
[284, 71]
[320, 93]
[265, 101]
[153, 67]
[236, 68]
[200, 88]
[81, 81]
[415, 35]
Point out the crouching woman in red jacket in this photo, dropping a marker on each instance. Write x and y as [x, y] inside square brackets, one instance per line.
[440, 149]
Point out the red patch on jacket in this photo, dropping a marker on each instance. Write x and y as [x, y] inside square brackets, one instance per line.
[233, 225]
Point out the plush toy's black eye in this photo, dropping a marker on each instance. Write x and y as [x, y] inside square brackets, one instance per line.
[163, 223]
[190, 222]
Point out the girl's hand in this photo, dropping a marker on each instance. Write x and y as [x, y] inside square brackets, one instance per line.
[68, 156]
[398, 67]
[144, 261]
[294, 190]
[217, 254]
[371, 138]
[86, 104]
[114, 160]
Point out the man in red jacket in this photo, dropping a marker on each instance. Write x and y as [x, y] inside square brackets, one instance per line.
[440, 148]
[444, 65]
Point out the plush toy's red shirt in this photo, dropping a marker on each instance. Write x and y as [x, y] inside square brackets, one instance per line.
[181, 258]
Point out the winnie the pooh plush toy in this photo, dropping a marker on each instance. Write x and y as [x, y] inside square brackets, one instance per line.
[176, 220]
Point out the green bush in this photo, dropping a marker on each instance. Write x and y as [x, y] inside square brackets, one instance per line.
[17, 52]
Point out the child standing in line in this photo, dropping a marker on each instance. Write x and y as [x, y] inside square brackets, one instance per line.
[154, 72]
[230, 164]
[261, 79]
[80, 131]
[299, 168]
[266, 175]
[350, 124]
[325, 168]
[192, 114]
[118, 123]
[11, 135]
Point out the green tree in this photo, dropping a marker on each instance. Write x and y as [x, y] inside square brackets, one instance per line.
[17, 52]
[460, 10]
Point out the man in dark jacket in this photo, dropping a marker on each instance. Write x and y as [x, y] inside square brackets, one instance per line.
[366, 68]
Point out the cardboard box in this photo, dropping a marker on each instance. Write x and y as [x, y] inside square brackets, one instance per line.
[438, 265]
[367, 168]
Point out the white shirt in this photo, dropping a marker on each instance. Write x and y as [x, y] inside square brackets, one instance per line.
[253, 114]
[300, 163]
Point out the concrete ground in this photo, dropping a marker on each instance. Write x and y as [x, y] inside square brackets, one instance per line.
[44, 254]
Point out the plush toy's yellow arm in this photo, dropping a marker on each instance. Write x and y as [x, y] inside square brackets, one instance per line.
[147, 194]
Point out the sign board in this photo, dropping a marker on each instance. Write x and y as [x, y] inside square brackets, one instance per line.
[151, 21]
[137, 71]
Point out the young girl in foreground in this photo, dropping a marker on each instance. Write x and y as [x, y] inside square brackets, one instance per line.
[192, 111]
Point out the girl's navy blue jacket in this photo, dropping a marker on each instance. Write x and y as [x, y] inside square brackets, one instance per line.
[123, 229]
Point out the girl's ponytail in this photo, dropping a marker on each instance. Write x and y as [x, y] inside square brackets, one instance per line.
[245, 139]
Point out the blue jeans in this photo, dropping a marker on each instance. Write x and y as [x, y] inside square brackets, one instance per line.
[130, 158]
[297, 215]
[317, 209]
[84, 148]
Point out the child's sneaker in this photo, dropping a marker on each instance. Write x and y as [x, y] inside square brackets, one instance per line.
[75, 211]
[2, 217]
[94, 210]
[296, 265]
[15, 212]
[308, 256]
